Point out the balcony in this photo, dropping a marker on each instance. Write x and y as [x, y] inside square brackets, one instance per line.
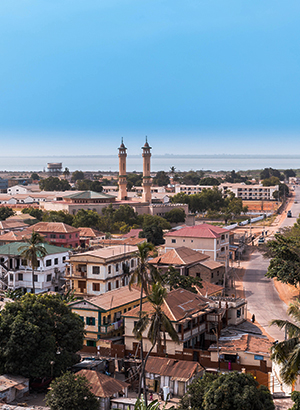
[110, 327]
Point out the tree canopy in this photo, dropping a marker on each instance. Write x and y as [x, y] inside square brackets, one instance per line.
[174, 280]
[76, 175]
[161, 178]
[71, 391]
[231, 391]
[5, 212]
[54, 184]
[176, 215]
[36, 330]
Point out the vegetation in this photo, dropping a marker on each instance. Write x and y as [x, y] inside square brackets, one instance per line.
[295, 396]
[5, 212]
[174, 280]
[71, 391]
[77, 175]
[176, 215]
[35, 212]
[36, 330]
[35, 177]
[88, 185]
[235, 177]
[161, 179]
[54, 184]
[32, 250]
[287, 352]
[231, 391]
[285, 258]
[158, 323]
[134, 179]
[58, 216]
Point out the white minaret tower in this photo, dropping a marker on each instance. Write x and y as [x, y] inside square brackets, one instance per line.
[122, 172]
[147, 181]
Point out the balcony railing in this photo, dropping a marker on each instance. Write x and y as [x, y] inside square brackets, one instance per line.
[106, 329]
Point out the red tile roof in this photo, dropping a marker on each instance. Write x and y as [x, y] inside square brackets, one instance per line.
[102, 385]
[179, 256]
[179, 304]
[90, 233]
[133, 233]
[208, 289]
[244, 343]
[58, 227]
[199, 231]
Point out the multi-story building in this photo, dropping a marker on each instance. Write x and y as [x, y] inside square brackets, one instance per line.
[16, 273]
[209, 239]
[58, 233]
[102, 315]
[96, 272]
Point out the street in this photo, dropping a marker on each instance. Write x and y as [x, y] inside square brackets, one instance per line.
[263, 299]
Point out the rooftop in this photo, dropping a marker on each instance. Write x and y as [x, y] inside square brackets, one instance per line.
[90, 232]
[106, 253]
[244, 343]
[58, 227]
[102, 385]
[179, 256]
[208, 289]
[177, 369]
[89, 195]
[178, 305]
[199, 231]
[15, 249]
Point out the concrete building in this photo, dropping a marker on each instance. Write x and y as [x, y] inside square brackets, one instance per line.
[13, 388]
[122, 194]
[16, 273]
[23, 189]
[102, 315]
[58, 233]
[95, 272]
[147, 181]
[209, 239]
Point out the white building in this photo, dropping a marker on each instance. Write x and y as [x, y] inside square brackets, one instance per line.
[23, 189]
[16, 273]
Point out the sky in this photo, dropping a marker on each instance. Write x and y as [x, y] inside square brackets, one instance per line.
[195, 76]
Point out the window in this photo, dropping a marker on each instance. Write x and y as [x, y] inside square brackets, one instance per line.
[49, 277]
[20, 276]
[212, 275]
[48, 262]
[24, 262]
[238, 313]
[132, 263]
[52, 236]
[192, 240]
[11, 277]
[35, 278]
[70, 236]
[96, 287]
[173, 240]
[96, 270]
[91, 343]
[76, 235]
[109, 286]
[56, 261]
[109, 269]
[64, 259]
[62, 236]
[117, 267]
[90, 321]
[117, 284]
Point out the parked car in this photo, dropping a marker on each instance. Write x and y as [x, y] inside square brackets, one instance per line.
[261, 241]
[289, 214]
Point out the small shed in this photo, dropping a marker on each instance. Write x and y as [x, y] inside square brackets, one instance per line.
[104, 387]
[175, 374]
[13, 387]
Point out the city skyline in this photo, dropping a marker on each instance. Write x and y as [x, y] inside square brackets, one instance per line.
[217, 78]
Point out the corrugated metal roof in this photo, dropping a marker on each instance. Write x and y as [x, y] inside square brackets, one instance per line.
[102, 385]
[14, 249]
[179, 256]
[199, 231]
[177, 369]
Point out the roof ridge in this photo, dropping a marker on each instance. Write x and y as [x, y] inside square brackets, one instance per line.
[170, 310]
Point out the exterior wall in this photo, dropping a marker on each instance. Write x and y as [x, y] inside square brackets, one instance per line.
[216, 249]
[161, 209]
[244, 359]
[191, 189]
[215, 276]
[43, 272]
[67, 240]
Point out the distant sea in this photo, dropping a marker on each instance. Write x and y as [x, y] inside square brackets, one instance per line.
[158, 162]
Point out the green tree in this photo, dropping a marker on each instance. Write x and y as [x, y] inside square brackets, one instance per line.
[5, 212]
[71, 391]
[161, 179]
[32, 251]
[285, 258]
[236, 391]
[154, 234]
[58, 216]
[76, 175]
[36, 330]
[174, 280]
[192, 178]
[180, 198]
[66, 172]
[269, 172]
[134, 179]
[287, 352]
[209, 181]
[88, 185]
[176, 215]
[54, 184]
[141, 277]
[35, 177]
[231, 391]
[85, 218]
[295, 396]
[36, 213]
[158, 322]
[289, 173]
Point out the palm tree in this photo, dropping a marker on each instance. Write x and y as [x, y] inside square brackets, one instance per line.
[157, 322]
[66, 172]
[32, 251]
[287, 352]
[142, 278]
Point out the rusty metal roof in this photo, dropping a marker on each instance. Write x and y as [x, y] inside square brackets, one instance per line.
[177, 369]
[102, 385]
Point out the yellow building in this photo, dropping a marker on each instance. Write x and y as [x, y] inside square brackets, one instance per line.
[102, 314]
[96, 272]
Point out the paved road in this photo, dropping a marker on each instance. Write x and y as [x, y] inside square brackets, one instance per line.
[263, 299]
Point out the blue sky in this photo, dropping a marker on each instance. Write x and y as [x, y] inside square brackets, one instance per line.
[196, 76]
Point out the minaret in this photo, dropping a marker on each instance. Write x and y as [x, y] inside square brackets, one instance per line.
[147, 182]
[122, 172]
